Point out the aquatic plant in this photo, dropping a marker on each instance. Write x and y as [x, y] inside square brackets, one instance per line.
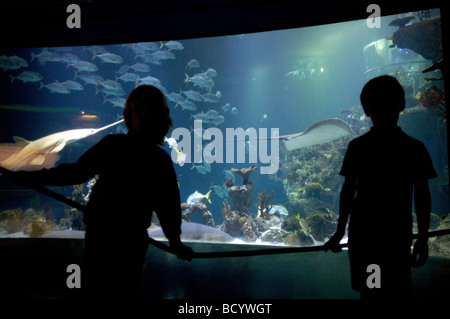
[263, 205]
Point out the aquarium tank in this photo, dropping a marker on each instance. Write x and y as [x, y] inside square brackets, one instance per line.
[261, 123]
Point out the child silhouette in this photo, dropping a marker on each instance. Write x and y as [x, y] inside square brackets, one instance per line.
[384, 170]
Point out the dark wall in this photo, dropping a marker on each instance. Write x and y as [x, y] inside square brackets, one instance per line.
[43, 23]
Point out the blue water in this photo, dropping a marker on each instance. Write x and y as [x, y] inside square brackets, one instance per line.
[252, 76]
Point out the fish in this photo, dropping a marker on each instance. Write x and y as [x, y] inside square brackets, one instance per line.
[220, 191]
[31, 155]
[188, 105]
[193, 64]
[197, 197]
[147, 46]
[200, 168]
[163, 55]
[234, 110]
[149, 80]
[173, 45]
[229, 175]
[12, 62]
[72, 85]
[116, 101]
[45, 56]
[112, 85]
[56, 87]
[93, 79]
[282, 211]
[108, 58]
[114, 92]
[218, 120]
[226, 107]
[210, 97]
[278, 208]
[129, 77]
[210, 73]
[141, 67]
[181, 157]
[84, 66]
[171, 142]
[175, 97]
[27, 76]
[321, 132]
[200, 80]
[195, 232]
[193, 95]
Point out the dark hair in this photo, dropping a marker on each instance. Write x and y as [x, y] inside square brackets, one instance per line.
[150, 106]
[383, 93]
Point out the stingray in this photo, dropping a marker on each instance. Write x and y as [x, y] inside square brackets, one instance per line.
[321, 132]
[34, 155]
[195, 232]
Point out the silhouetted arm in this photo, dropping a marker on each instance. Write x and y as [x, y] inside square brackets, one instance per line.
[168, 208]
[345, 204]
[79, 172]
[422, 204]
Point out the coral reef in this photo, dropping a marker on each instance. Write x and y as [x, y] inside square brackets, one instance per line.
[242, 197]
[322, 224]
[311, 177]
[29, 222]
[433, 99]
[200, 208]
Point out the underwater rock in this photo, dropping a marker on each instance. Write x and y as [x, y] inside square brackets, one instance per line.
[13, 220]
[275, 236]
[322, 224]
[423, 37]
[253, 228]
[291, 224]
[231, 224]
[400, 22]
[441, 245]
[199, 208]
[30, 222]
[298, 238]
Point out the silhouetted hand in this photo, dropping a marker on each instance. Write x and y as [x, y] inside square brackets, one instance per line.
[333, 244]
[420, 253]
[183, 252]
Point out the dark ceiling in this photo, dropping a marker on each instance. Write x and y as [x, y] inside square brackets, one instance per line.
[43, 22]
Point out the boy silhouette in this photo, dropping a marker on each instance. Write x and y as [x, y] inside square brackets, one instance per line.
[384, 170]
[136, 178]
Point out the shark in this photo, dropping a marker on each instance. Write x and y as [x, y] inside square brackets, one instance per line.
[34, 155]
[195, 232]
